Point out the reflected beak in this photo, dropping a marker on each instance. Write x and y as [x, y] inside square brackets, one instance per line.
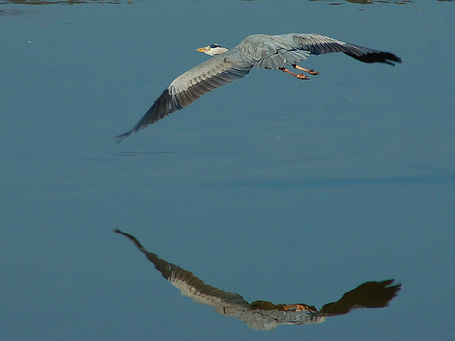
[202, 49]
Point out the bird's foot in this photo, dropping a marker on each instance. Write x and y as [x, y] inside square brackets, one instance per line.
[299, 76]
[310, 71]
[299, 307]
[313, 72]
[302, 76]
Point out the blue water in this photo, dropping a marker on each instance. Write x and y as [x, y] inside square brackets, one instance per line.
[271, 187]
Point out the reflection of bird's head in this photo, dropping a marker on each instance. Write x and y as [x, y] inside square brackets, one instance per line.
[213, 50]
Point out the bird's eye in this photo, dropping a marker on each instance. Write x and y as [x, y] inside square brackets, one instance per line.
[214, 46]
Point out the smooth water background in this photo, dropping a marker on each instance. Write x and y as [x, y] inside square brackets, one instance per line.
[270, 187]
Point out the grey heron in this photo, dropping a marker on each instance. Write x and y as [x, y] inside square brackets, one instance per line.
[264, 315]
[258, 50]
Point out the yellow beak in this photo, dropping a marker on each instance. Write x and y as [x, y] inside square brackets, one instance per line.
[201, 49]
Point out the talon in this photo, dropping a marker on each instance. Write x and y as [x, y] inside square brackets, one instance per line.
[313, 72]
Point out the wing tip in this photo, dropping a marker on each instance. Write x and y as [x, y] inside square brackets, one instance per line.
[160, 109]
[390, 58]
[379, 57]
[132, 238]
[119, 138]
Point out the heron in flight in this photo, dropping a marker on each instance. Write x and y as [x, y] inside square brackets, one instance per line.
[264, 315]
[259, 50]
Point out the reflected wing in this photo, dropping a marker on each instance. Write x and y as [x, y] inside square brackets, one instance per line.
[318, 44]
[191, 285]
[366, 295]
[188, 87]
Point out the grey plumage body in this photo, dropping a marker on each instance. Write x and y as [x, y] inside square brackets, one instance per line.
[264, 315]
[259, 50]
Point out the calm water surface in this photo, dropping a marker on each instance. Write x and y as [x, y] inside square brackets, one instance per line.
[277, 189]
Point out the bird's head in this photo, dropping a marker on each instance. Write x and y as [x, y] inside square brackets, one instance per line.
[213, 50]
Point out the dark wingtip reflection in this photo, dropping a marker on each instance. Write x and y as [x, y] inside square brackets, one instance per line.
[265, 315]
[367, 295]
[132, 238]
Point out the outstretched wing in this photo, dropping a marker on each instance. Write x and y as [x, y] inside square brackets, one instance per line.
[190, 285]
[366, 295]
[277, 51]
[319, 44]
[188, 87]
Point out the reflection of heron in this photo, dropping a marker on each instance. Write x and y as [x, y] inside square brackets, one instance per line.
[264, 315]
[260, 50]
